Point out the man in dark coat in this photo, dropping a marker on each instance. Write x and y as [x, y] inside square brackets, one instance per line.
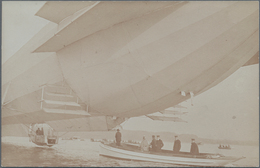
[38, 131]
[177, 145]
[153, 144]
[159, 143]
[118, 137]
[194, 148]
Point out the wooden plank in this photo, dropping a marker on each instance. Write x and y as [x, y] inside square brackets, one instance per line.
[61, 111]
[62, 103]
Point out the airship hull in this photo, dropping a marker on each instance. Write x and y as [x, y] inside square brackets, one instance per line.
[136, 65]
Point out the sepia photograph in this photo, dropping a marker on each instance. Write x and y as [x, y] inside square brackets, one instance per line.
[130, 84]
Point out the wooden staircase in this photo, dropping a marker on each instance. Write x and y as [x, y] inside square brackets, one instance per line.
[60, 99]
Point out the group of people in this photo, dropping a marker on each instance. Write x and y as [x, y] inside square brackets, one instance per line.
[157, 144]
[194, 149]
[39, 131]
[224, 146]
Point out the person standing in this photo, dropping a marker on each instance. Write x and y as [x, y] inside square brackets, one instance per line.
[144, 145]
[159, 143]
[42, 132]
[38, 131]
[177, 145]
[194, 148]
[153, 144]
[118, 137]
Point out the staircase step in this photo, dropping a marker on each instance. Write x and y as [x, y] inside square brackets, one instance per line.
[62, 111]
[61, 103]
[58, 94]
[58, 86]
[165, 118]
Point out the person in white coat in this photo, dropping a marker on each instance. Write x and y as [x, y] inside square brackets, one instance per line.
[144, 145]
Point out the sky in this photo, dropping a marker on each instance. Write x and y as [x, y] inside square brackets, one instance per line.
[229, 110]
[19, 25]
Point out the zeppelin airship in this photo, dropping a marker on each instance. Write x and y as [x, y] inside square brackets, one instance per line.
[97, 63]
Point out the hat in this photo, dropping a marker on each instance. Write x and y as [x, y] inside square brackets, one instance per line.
[153, 136]
[176, 136]
[117, 129]
[193, 139]
[158, 135]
